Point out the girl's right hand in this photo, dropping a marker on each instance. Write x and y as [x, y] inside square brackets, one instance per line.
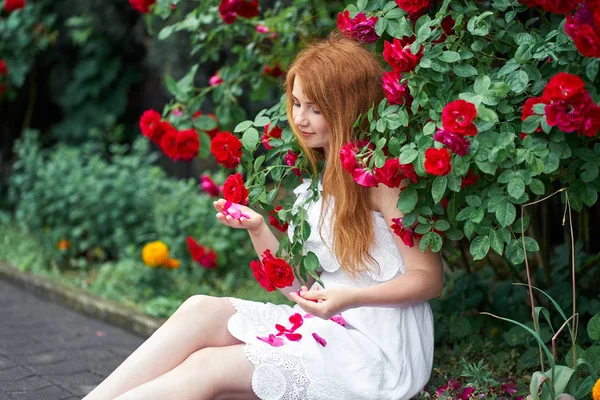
[254, 222]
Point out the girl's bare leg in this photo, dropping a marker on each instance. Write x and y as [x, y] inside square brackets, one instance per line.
[200, 322]
[213, 372]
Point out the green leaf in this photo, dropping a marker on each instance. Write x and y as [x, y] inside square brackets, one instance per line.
[482, 84]
[261, 121]
[408, 156]
[311, 261]
[454, 234]
[407, 200]
[505, 213]
[250, 139]
[531, 244]
[516, 187]
[441, 225]
[242, 126]
[394, 146]
[449, 57]
[591, 70]
[496, 242]
[361, 4]
[518, 81]
[438, 188]
[464, 70]
[514, 252]
[480, 246]
[537, 187]
[593, 327]
[166, 32]
[589, 171]
[473, 201]
[465, 213]
[485, 114]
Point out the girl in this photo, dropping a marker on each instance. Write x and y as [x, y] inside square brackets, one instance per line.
[379, 343]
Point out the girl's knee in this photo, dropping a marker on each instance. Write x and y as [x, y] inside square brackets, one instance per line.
[201, 305]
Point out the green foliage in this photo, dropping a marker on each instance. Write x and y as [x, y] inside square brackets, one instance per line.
[113, 203]
[24, 34]
[94, 91]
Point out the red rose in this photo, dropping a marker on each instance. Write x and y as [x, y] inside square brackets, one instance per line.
[437, 161]
[406, 234]
[458, 116]
[554, 6]
[398, 55]
[469, 180]
[274, 220]
[209, 186]
[274, 133]
[3, 68]
[274, 71]
[563, 86]
[231, 9]
[278, 270]
[142, 6]
[234, 189]
[261, 277]
[213, 132]
[396, 92]
[215, 80]
[392, 173]
[569, 116]
[583, 30]
[150, 125]
[200, 254]
[227, 149]
[290, 159]
[348, 156]
[591, 124]
[180, 145]
[12, 5]
[359, 28]
[413, 6]
[528, 108]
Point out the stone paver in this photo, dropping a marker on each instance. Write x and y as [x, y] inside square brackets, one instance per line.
[48, 352]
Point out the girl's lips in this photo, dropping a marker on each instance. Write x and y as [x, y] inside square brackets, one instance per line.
[306, 133]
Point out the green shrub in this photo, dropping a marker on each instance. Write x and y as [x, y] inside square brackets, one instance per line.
[103, 204]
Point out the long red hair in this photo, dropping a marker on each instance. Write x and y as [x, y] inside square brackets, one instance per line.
[343, 79]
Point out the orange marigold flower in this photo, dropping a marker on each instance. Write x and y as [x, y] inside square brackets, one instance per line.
[155, 254]
[596, 390]
[63, 244]
[172, 263]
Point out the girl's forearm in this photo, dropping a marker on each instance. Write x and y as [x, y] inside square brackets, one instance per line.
[264, 239]
[414, 287]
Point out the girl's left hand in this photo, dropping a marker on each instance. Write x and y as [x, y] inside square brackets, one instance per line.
[329, 302]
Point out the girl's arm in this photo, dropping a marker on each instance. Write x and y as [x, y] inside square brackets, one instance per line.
[261, 235]
[424, 277]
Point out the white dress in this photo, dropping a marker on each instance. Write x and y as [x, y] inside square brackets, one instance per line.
[381, 353]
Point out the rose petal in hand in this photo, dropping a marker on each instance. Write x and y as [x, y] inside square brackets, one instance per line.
[234, 211]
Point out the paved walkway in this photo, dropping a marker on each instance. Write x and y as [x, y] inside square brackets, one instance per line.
[48, 352]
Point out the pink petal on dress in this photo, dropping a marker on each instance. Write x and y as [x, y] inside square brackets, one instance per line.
[281, 329]
[319, 339]
[272, 340]
[338, 319]
[293, 337]
[308, 316]
[297, 321]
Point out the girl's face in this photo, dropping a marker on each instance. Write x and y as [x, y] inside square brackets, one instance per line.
[309, 120]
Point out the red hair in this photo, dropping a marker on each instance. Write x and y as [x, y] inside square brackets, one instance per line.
[343, 79]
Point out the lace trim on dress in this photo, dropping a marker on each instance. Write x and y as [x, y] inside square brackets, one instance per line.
[279, 375]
